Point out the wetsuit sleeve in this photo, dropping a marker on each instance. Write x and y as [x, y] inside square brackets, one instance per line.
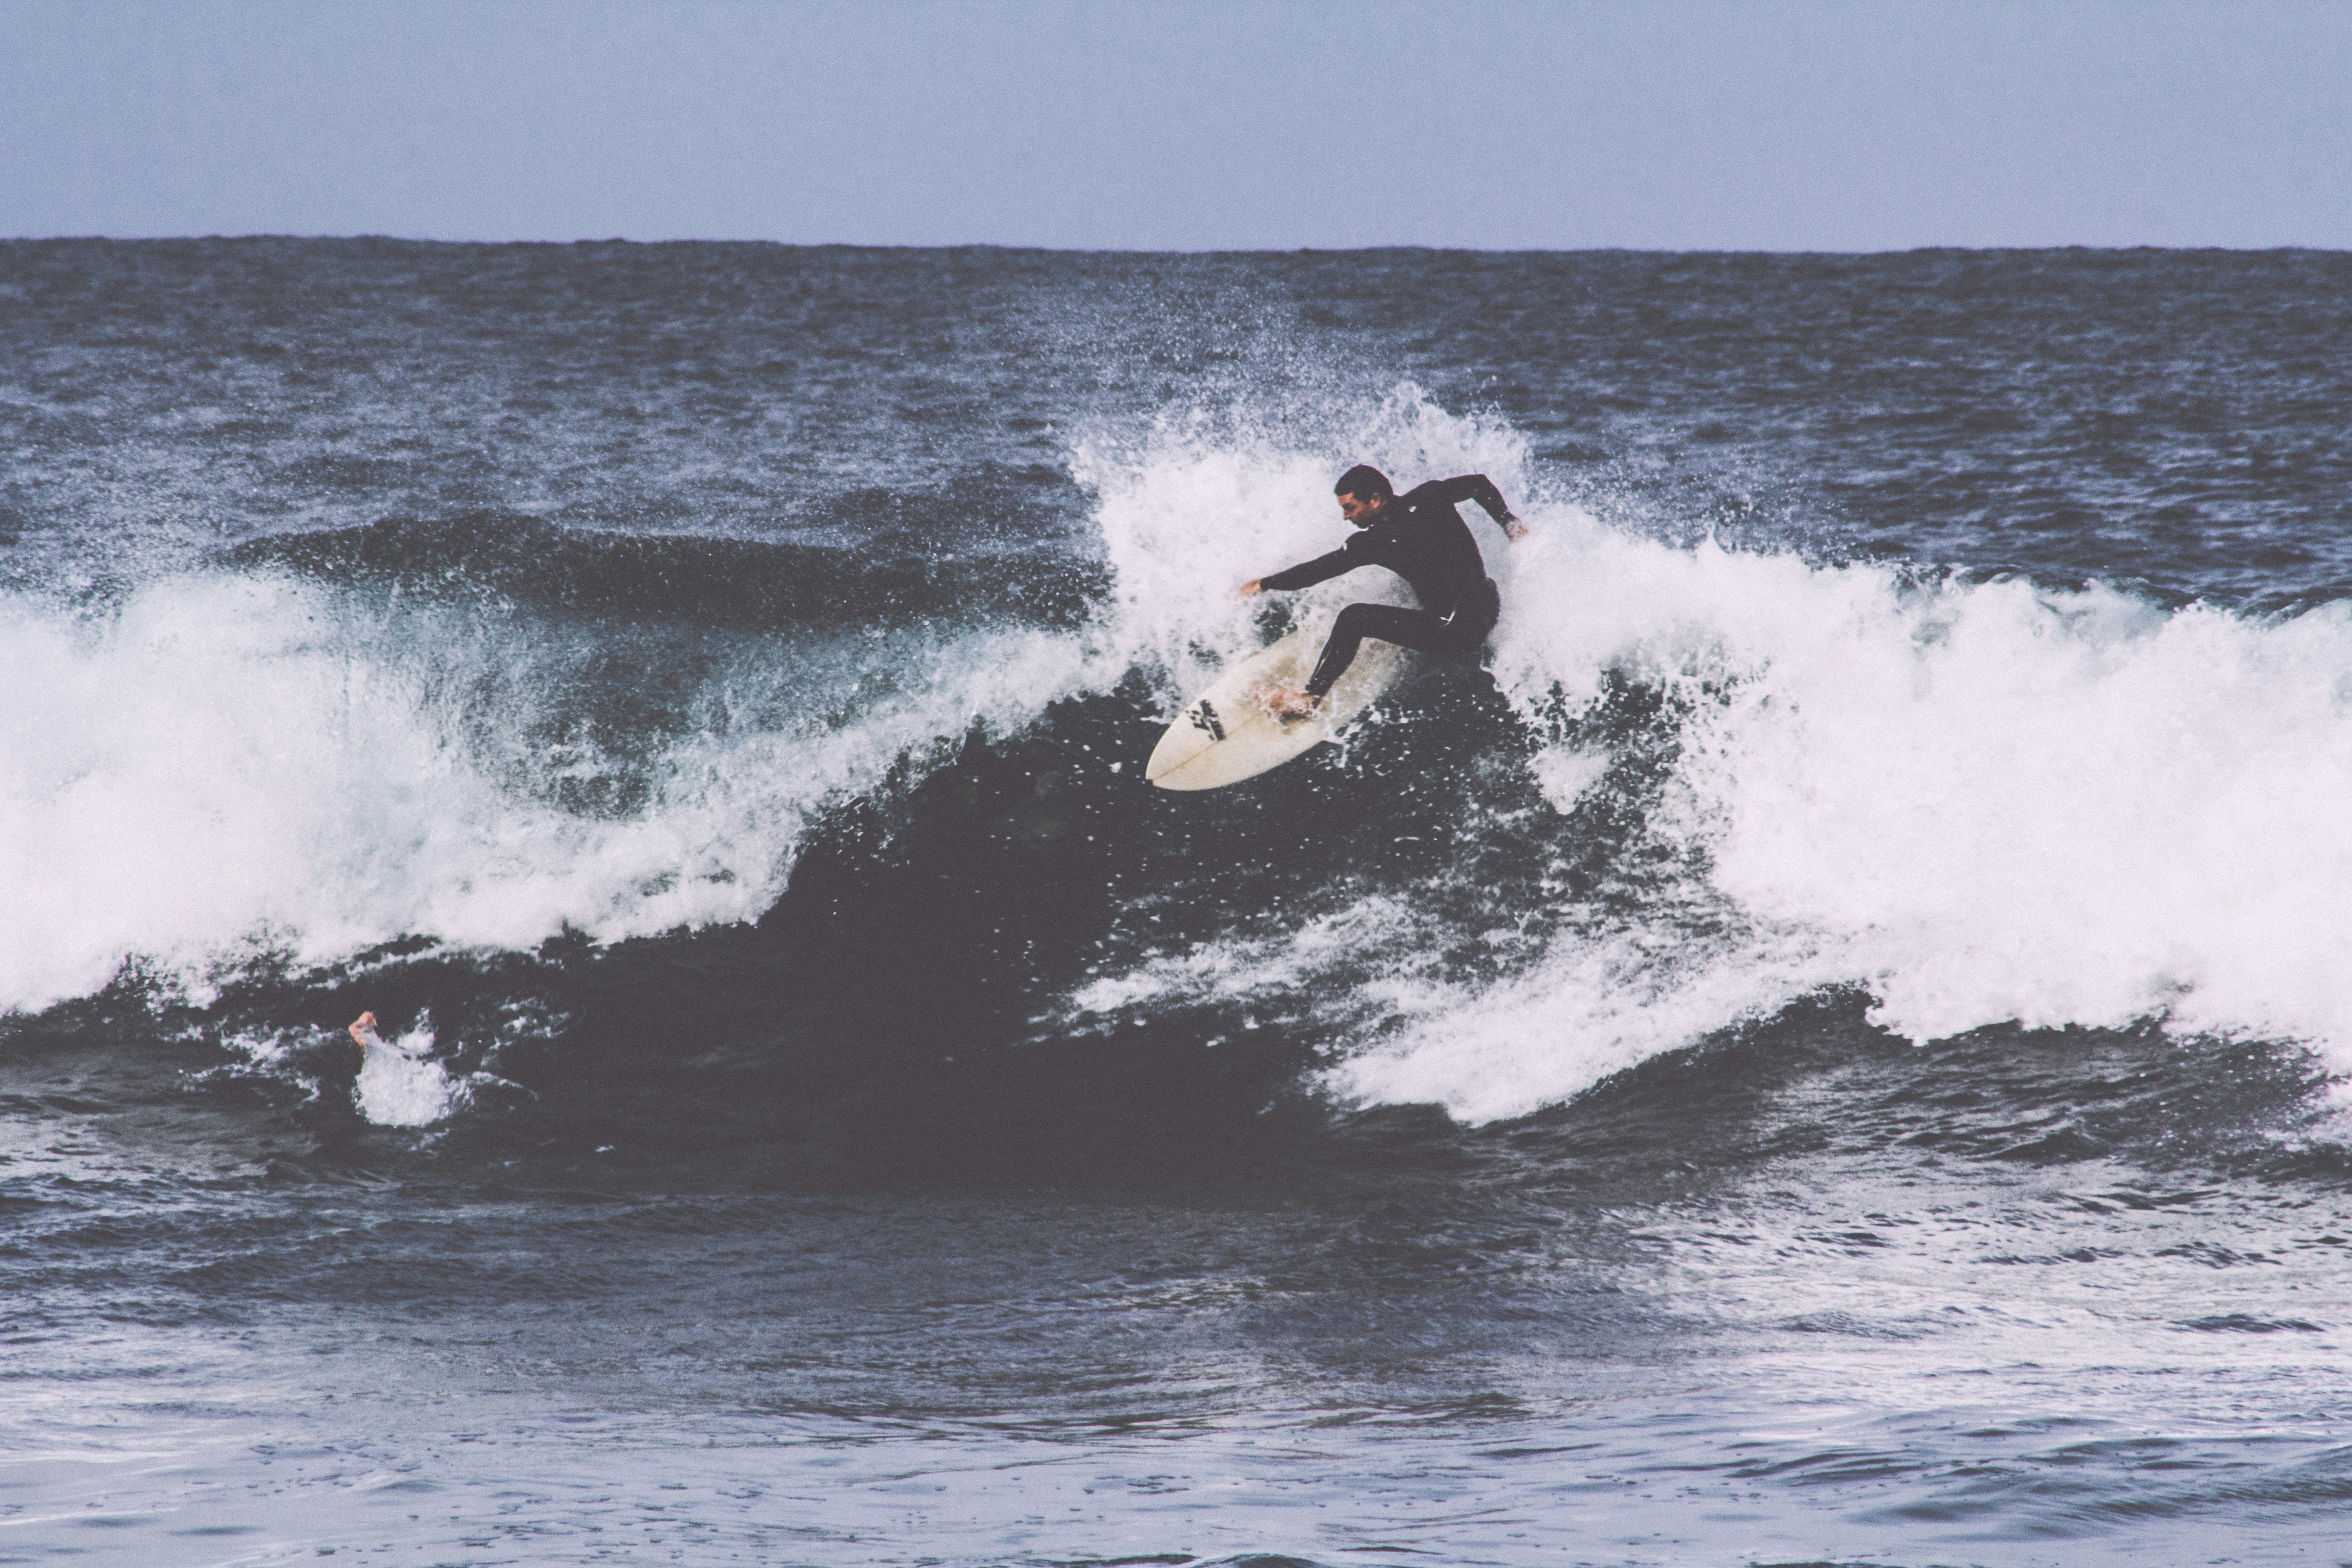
[1470, 487]
[1307, 574]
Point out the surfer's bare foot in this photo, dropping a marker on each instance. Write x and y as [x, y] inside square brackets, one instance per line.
[1287, 705]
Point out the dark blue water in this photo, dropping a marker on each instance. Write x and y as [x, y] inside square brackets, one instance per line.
[1827, 1044]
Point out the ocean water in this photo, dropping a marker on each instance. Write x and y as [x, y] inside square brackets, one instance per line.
[1829, 1044]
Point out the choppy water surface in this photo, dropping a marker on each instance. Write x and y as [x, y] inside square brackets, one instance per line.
[1827, 1047]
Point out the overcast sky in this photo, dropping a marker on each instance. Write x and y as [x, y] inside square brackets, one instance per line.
[1779, 125]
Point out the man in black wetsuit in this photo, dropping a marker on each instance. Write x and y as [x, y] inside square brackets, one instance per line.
[1420, 537]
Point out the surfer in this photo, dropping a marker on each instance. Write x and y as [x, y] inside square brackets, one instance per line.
[1420, 537]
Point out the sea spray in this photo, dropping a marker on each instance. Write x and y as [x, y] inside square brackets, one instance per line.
[1200, 499]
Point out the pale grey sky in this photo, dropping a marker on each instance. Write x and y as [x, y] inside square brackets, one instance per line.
[1779, 125]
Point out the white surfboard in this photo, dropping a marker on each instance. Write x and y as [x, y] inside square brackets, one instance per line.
[1226, 735]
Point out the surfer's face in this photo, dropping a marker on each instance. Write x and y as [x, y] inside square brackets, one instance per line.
[1361, 509]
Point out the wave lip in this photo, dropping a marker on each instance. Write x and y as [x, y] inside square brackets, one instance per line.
[232, 768]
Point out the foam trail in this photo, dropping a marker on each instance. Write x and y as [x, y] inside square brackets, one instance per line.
[233, 765]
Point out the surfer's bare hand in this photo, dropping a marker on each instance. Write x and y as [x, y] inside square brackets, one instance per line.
[1255, 585]
[1515, 530]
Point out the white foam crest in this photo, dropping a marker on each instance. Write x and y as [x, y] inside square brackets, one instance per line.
[232, 761]
[1986, 803]
[1206, 500]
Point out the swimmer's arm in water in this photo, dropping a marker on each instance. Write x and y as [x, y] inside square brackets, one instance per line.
[364, 1034]
[1482, 490]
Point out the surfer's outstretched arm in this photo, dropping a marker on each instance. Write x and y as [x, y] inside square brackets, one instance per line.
[1307, 574]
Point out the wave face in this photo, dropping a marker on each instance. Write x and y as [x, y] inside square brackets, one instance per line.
[1863, 942]
[1750, 734]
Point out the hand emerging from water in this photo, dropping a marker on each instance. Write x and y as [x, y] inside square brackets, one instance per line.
[1514, 530]
[1255, 585]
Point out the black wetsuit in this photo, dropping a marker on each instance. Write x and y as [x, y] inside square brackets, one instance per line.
[1420, 537]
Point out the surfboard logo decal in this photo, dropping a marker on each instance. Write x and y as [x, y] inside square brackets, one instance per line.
[1206, 717]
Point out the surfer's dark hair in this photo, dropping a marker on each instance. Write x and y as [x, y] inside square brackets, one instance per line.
[1363, 481]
